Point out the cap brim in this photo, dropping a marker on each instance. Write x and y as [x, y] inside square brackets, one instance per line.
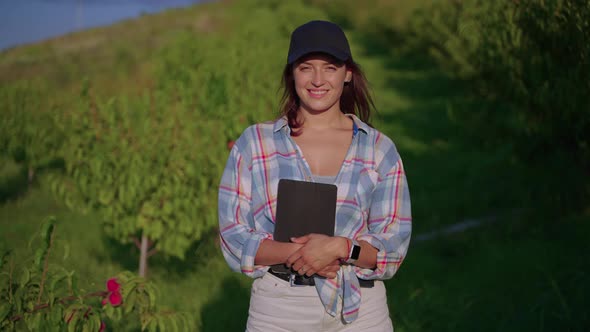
[340, 55]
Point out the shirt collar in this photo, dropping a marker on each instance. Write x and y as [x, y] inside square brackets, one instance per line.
[280, 124]
[357, 124]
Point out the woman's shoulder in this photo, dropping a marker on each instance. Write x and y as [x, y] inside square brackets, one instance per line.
[381, 140]
[381, 147]
[261, 130]
[374, 137]
[258, 132]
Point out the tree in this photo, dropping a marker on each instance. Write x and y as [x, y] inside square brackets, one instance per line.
[135, 161]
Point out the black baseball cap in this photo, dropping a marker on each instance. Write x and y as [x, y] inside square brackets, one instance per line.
[318, 36]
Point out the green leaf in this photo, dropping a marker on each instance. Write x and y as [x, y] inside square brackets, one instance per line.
[33, 321]
[57, 278]
[30, 305]
[66, 247]
[128, 287]
[95, 319]
[72, 324]
[161, 323]
[38, 260]
[86, 327]
[167, 209]
[129, 302]
[25, 278]
[75, 318]
[4, 257]
[173, 323]
[151, 292]
[19, 294]
[153, 325]
[5, 309]
[109, 311]
[56, 314]
[47, 229]
[73, 282]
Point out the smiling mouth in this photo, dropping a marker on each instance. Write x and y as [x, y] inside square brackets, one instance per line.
[317, 93]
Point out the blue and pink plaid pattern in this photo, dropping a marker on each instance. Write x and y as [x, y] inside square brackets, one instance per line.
[373, 204]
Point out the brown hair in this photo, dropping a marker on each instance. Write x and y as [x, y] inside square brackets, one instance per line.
[355, 98]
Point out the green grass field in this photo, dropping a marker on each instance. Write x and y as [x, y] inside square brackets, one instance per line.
[523, 272]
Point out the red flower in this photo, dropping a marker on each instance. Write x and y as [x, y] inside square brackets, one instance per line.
[115, 298]
[103, 326]
[230, 145]
[113, 285]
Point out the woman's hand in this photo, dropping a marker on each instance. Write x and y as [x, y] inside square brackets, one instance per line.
[273, 252]
[330, 271]
[319, 254]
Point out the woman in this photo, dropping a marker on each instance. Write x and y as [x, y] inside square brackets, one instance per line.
[322, 136]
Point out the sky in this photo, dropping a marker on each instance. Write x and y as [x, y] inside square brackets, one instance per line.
[29, 21]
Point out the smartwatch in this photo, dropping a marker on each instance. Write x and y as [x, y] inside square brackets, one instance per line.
[355, 252]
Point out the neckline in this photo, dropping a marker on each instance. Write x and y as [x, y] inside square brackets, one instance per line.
[325, 176]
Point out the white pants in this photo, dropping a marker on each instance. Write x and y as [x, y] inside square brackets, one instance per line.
[276, 306]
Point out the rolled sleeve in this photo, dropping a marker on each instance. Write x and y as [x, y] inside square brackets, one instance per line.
[240, 239]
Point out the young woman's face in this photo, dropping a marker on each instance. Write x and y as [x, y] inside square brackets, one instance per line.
[319, 82]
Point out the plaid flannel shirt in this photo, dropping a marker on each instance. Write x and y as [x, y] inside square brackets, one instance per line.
[373, 204]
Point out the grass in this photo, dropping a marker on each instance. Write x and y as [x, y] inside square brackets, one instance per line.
[524, 272]
[523, 277]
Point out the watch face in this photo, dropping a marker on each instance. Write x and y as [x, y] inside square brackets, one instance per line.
[356, 251]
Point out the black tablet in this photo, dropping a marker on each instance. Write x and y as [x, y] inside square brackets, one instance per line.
[303, 208]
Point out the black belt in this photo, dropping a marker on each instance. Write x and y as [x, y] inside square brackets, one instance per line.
[300, 280]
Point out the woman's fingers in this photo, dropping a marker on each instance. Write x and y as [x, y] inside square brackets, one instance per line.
[308, 271]
[301, 266]
[294, 257]
[300, 240]
[327, 274]
[297, 265]
[330, 270]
